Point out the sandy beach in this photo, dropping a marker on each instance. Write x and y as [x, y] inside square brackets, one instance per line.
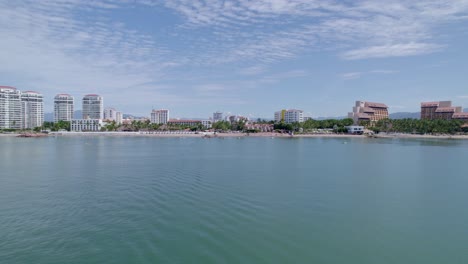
[233, 135]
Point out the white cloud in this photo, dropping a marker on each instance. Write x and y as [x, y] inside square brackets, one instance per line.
[82, 46]
[351, 75]
[357, 75]
[393, 50]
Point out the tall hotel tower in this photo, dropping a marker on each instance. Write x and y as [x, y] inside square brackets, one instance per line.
[93, 107]
[10, 108]
[160, 116]
[32, 109]
[63, 107]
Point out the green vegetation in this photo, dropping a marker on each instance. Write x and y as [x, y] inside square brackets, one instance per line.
[54, 126]
[311, 125]
[222, 125]
[416, 126]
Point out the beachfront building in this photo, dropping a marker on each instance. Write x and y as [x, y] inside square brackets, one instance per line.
[237, 118]
[369, 112]
[440, 110]
[110, 114]
[63, 107]
[79, 125]
[279, 116]
[355, 129]
[206, 124]
[184, 122]
[462, 116]
[260, 127]
[93, 106]
[159, 116]
[32, 109]
[10, 108]
[217, 116]
[289, 116]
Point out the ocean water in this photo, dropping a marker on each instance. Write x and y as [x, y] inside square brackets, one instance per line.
[247, 200]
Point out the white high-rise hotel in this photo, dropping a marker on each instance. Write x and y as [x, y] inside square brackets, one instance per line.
[32, 109]
[93, 107]
[20, 110]
[110, 114]
[63, 107]
[160, 116]
[289, 116]
[10, 108]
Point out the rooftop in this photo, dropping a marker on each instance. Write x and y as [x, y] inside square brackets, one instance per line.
[7, 87]
[368, 110]
[460, 115]
[429, 104]
[445, 110]
[376, 105]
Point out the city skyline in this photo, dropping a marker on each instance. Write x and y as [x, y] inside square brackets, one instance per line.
[242, 57]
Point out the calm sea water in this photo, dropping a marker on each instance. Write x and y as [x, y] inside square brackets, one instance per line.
[248, 200]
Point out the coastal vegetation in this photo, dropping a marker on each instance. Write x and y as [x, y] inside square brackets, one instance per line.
[337, 125]
[418, 126]
[406, 126]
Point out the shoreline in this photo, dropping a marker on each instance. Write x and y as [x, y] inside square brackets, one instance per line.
[239, 135]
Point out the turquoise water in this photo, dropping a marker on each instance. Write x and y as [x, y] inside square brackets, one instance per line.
[248, 200]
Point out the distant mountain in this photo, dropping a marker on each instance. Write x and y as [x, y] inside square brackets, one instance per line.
[49, 117]
[125, 116]
[403, 115]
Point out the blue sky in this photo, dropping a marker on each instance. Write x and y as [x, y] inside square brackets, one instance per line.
[239, 56]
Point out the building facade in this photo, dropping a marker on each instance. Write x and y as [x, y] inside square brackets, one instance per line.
[160, 116]
[63, 107]
[439, 110]
[293, 116]
[10, 108]
[184, 122]
[462, 116]
[93, 107]
[217, 116]
[32, 109]
[110, 114]
[289, 116]
[368, 111]
[279, 116]
[78, 125]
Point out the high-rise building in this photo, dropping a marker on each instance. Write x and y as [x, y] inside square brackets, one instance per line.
[32, 109]
[217, 116]
[289, 116]
[63, 107]
[439, 110]
[93, 107]
[160, 116]
[279, 116]
[118, 117]
[293, 116]
[368, 111]
[10, 108]
[110, 114]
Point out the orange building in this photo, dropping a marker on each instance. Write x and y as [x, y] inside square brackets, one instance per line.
[368, 111]
[439, 110]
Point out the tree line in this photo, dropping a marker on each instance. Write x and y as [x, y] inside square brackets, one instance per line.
[419, 126]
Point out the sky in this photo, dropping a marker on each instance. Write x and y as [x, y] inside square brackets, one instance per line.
[243, 57]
